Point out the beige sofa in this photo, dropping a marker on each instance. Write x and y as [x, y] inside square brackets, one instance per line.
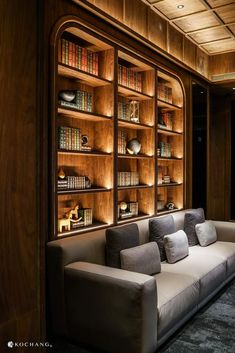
[120, 311]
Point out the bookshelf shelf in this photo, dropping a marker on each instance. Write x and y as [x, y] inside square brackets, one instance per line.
[93, 226]
[134, 218]
[85, 153]
[168, 185]
[167, 106]
[169, 132]
[132, 94]
[83, 115]
[83, 191]
[83, 76]
[128, 100]
[136, 156]
[135, 187]
[132, 125]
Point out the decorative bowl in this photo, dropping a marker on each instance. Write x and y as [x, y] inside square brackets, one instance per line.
[67, 96]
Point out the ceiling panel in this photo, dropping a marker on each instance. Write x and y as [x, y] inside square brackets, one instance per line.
[227, 13]
[212, 34]
[169, 7]
[210, 24]
[215, 3]
[197, 21]
[220, 46]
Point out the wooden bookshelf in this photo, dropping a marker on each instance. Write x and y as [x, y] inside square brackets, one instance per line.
[116, 100]
[170, 163]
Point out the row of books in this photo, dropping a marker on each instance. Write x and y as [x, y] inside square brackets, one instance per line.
[131, 210]
[129, 111]
[84, 218]
[129, 78]
[79, 57]
[165, 149]
[128, 178]
[82, 101]
[122, 136]
[69, 138]
[164, 92]
[165, 120]
[72, 182]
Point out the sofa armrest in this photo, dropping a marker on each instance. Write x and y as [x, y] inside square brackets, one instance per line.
[112, 309]
[225, 231]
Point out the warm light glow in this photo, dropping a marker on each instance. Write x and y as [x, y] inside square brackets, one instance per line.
[180, 7]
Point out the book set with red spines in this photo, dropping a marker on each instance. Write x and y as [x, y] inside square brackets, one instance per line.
[164, 92]
[81, 58]
[129, 78]
[165, 120]
[122, 136]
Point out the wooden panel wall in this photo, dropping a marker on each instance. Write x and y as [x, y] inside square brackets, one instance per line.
[223, 63]
[20, 243]
[140, 18]
[219, 158]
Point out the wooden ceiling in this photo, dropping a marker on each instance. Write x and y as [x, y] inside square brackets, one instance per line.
[210, 24]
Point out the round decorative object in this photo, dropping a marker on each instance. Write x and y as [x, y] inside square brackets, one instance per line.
[133, 146]
[67, 96]
[170, 205]
[84, 140]
[123, 206]
[61, 174]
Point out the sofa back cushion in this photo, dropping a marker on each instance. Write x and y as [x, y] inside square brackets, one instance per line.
[176, 246]
[120, 238]
[158, 227]
[192, 218]
[144, 258]
[206, 233]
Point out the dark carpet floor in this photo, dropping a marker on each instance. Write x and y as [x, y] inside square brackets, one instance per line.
[211, 330]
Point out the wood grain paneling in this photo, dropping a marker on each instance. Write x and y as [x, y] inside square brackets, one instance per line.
[170, 9]
[113, 7]
[223, 63]
[19, 188]
[175, 44]
[202, 62]
[189, 53]
[227, 13]
[210, 35]
[157, 29]
[216, 47]
[197, 21]
[135, 16]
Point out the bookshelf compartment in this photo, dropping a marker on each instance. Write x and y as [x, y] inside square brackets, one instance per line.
[169, 194]
[143, 169]
[100, 215]
[140, 203]
[145, 137]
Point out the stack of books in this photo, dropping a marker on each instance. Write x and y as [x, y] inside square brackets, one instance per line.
[165, 120]
[129, 78]
[166, 179]
[165, 149]
[69, 138]
[79, 57]
[122, 136]
[164, 92]
[132, 210]
[82, 101]
[62, 184]
[128, 178]
[86, 215]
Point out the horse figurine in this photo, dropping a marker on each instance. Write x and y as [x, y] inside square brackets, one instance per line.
[66, 222]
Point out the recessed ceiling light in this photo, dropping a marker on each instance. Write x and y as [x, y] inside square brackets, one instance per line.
[180, 7]
[234, 88]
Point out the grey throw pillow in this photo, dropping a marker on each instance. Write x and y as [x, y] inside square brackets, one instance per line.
[176, 246]
[120, 238]
[206, 233]
[158, 227]
[143, 259]
[192, 218]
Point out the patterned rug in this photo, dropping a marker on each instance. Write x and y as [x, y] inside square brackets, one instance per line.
[211, 330]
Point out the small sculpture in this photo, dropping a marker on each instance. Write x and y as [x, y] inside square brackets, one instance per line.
[67, 96]
[65, 222]
[133, 146]
[170, 205]
[61, 173]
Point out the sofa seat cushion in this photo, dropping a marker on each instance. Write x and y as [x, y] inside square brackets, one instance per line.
[221, 249]
[210, 270]
[178, 294]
